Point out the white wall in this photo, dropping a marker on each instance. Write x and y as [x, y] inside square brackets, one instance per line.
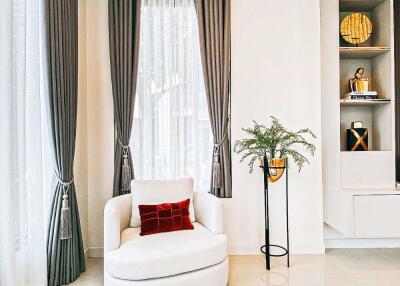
[100, 120]
[275, 71]
[80, 166]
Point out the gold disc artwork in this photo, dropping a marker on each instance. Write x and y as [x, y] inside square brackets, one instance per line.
[356, 28]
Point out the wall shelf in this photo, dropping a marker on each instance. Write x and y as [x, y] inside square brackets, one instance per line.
[356, 102]
[364, 153]
[362, 52]
[371, 192]
[359, 5]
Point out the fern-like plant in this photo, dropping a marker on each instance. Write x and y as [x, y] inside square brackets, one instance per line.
[275, 142]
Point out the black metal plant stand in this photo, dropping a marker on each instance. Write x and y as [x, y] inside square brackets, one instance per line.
[264, 249]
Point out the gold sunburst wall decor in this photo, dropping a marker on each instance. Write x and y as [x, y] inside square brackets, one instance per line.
[356, 28]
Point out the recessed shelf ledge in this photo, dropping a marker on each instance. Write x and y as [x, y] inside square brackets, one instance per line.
[362, 52]
[355, 102]
[375, 191]
[359, 5]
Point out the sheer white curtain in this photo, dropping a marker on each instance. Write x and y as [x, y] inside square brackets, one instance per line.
[24, 157]
[171, 130]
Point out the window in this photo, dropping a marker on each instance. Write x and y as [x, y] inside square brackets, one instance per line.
[171, 130]
[25, 164]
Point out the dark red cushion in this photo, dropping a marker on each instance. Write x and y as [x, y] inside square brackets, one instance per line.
[165, 217]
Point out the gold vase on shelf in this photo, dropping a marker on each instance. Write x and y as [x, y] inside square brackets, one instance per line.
[360, 82]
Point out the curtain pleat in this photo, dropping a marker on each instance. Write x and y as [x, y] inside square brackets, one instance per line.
[397, 83]
[124, 28]
[65, 257]
[215, 40]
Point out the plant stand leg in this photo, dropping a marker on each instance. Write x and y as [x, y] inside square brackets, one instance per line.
[266, 217]
[287, 211]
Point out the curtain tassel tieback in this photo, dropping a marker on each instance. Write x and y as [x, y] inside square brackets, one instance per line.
[126, 173]
[65, 217]
[216, 182]
[217, 176]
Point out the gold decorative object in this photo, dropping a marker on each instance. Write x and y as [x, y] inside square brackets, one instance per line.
[356, 28]
[357, 139]
[275, 174]
[356, 124]
[359, 83]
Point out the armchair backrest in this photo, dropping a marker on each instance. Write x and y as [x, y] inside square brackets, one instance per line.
[209, 211]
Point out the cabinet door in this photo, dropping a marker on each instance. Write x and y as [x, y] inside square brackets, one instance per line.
[377, 216]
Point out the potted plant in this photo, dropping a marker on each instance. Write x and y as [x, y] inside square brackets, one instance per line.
[277, 143]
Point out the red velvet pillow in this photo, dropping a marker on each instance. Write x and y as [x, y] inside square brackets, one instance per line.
[164, 217]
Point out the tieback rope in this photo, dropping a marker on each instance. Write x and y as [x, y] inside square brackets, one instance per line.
[65, 217]
[126, 172]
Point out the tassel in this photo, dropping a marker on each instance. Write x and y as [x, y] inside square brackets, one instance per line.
[216, 183]
[65, 221]
[126, 173]
[216, 175]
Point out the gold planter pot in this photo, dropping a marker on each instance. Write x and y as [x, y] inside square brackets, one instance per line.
[275, 174]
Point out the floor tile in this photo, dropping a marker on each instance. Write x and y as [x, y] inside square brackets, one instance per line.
[339, 267]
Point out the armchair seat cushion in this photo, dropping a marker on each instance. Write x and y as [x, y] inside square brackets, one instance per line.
[165, 254]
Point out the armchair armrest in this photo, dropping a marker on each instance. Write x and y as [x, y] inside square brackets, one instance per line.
[208, 211]
[117, 215]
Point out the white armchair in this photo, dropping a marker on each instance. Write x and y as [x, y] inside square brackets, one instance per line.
[189, 257]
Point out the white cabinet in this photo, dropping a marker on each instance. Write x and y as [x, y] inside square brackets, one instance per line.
[377, 216]
[360, 197]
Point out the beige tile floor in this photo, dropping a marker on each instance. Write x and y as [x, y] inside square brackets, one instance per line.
[345, 267]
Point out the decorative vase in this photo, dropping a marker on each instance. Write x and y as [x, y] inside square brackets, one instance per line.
[274, 173]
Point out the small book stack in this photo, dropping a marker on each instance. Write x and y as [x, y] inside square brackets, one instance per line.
[361, 95]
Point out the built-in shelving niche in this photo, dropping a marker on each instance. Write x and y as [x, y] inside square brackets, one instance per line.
[377, 118]
[357, 182]
[375, 57]
[379, 13]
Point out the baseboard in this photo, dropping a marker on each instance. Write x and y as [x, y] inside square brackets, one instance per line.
[99, 251]
[95, 252]
[244, 251]
[256, 250]
[362, 243]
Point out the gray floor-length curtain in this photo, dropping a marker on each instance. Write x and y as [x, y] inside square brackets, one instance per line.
[65, 253]
[397, 83]
[124, 28]
[215, 45]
